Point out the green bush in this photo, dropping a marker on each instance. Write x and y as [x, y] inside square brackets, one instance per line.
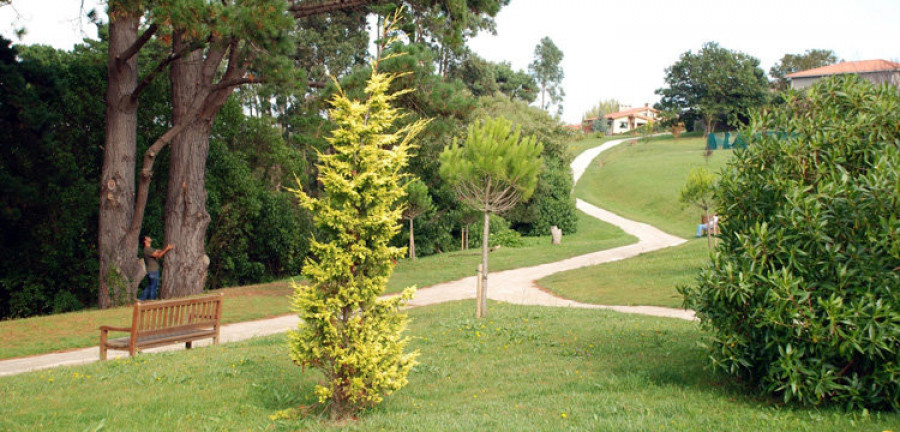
[552, 202]
[500, 233]
[802, 297]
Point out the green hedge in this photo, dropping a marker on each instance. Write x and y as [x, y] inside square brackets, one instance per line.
[802, 297]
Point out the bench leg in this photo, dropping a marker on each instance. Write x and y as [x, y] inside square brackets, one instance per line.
[187, 345]
[103, 337]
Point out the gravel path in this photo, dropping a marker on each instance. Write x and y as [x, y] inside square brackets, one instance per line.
[516, 286]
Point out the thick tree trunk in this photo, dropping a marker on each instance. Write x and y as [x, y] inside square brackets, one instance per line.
[185, 267]
[120, 269]
[485, 239]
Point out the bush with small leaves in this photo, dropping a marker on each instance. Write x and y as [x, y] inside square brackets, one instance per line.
[802, 297]
[346, 331]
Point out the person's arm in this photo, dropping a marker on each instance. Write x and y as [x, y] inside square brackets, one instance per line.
[160, 253]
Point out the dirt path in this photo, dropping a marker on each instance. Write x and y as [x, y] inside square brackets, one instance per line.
[516, 286]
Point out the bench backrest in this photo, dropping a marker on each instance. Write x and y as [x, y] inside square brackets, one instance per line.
[157, 317]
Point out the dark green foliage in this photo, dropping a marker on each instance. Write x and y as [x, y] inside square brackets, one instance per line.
[257, 232]
[716, 84]
[484, 78]
[802, 297]
[552, 202]
[51, 124]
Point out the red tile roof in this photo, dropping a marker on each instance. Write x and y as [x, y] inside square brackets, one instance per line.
[848, 67]
[629, 112]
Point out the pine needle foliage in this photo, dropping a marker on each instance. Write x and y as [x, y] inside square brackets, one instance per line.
[495, 169]
[347, 332]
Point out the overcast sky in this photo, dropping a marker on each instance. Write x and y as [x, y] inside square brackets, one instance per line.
[612, 49]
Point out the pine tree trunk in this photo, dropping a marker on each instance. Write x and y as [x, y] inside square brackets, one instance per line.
[121, 270]
[412, 241]
[185, 266]
[485, 239]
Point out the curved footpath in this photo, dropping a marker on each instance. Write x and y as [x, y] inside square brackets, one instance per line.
[518, 286]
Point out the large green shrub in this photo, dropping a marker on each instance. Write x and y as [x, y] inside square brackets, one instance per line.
[802, 298]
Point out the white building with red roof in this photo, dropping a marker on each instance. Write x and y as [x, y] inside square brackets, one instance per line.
[876, 71]
[625, 120]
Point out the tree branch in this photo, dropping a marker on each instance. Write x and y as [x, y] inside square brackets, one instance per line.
[153, 74]
[307, 10]
[138, 44]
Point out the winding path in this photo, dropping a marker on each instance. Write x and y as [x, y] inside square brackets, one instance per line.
[516, 286]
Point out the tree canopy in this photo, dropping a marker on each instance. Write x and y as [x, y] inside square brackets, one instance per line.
[547, 71]
[791, 63]
[493, 171]
[715, 84]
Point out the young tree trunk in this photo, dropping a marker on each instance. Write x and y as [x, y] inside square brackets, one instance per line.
[120, 269]
[710, 124]
[412, 241]
[485, 239]
[466, 241]
[708, 230]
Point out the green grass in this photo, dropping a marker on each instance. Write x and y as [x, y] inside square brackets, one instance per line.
[648, 279]
[578, 147]
[39, 335]
[522, 369]
[81, 329]
[641, 181]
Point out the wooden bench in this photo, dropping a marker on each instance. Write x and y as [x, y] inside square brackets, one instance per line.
[157, 323]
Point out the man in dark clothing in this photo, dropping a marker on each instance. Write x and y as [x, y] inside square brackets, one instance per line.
[151, 260]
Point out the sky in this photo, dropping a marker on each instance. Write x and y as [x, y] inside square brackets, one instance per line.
[613, 50]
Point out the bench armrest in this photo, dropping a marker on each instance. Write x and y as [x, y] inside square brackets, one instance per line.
[118, 329]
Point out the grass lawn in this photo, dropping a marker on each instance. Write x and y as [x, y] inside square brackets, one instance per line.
[649, 279]
[578, 147]
[81, 329]
[641, 181]
[521, 369]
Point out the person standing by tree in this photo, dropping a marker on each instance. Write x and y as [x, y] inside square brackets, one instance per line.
[151, 260]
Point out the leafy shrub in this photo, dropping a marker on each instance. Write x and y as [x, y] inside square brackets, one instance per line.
[802, 298]
[551, 204]
[500, 233]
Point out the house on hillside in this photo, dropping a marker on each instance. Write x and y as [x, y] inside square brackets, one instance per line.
[625, 120]
[876, 71]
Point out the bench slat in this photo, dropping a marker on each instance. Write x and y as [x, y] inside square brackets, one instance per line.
[161, 339]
